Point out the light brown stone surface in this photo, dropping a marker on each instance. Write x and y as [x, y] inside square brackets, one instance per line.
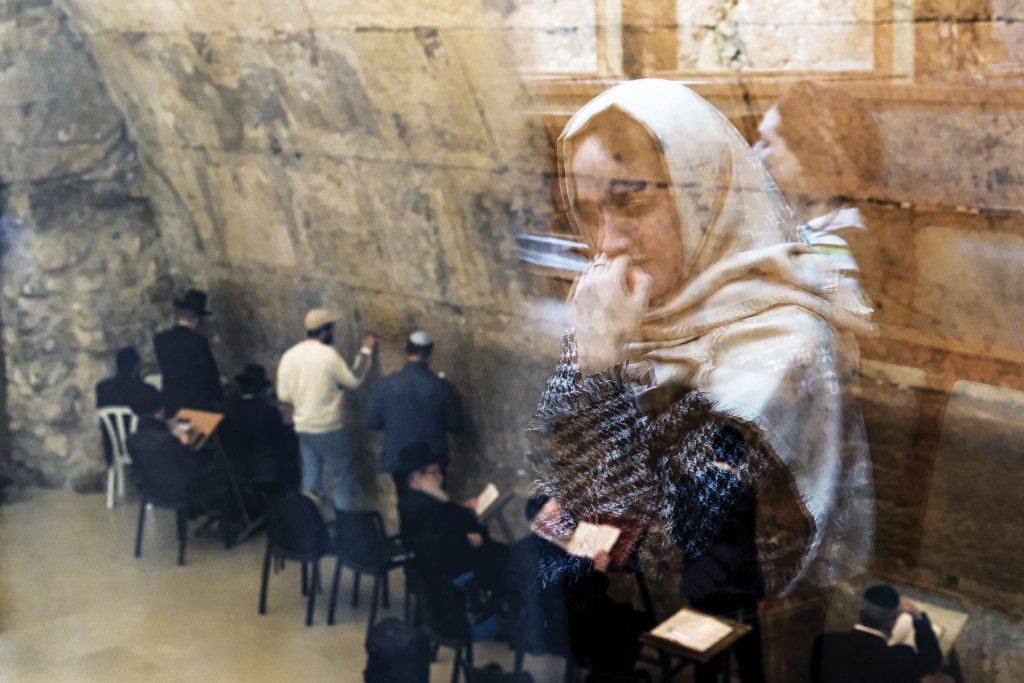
[83, 269]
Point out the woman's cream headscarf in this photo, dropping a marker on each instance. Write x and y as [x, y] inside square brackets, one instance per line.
[759, 323]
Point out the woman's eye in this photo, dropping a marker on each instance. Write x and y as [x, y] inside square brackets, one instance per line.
[636, 205]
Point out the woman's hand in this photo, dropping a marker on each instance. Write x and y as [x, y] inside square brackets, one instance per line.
[608, 303]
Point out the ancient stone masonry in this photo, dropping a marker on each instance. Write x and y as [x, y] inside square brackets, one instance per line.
[370, 159]
[82, 267]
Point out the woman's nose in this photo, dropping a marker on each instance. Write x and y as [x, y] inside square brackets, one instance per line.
[615, 235]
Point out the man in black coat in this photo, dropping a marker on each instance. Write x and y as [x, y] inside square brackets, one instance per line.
[864, 655]
[446, 537]
[125, 388]
[414, 405]
[171, 471]
[190, 375]
[260, 447]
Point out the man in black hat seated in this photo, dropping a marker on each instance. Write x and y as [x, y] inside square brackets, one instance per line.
[125, 388]
[170, 471]
[446, 537]
[190, 375]
[864, 655]
[261, 448]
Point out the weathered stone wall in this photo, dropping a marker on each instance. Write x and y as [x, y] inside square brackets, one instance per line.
[780, 34]
[368, 159]
[82, 267]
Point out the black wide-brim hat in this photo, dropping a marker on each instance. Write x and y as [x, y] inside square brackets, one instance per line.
[416, 456]
[195, 301]
[253, 378]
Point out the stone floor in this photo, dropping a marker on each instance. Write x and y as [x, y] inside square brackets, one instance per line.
[76, 606]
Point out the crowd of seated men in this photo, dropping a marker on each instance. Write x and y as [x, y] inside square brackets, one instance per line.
[466, 578]
[259, 450]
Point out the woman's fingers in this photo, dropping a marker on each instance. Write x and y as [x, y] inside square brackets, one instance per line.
[618, 270]
[642, 283]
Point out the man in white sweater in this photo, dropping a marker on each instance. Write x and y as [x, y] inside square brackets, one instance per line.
[311, 378]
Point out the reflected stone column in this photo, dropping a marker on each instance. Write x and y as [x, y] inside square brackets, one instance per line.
[650, 37]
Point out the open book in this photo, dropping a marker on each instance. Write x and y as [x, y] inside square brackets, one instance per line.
[590, 539]
[947, 624]
[586, 540]
[486, 499]
[693, 630]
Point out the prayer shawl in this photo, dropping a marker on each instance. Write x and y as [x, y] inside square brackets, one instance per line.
[760, 326]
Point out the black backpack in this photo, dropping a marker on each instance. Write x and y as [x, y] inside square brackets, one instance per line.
[397, 653]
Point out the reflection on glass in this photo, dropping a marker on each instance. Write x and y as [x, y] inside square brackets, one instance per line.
[703, 403]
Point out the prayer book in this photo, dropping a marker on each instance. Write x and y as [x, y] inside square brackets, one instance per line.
[947, 624]
[590, 539]
[693, 630]
[486, 499]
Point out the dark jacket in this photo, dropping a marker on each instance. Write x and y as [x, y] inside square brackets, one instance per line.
[435, 531]
[170, 471]
[190, 376]
[413, 405]
[121, 390]
[859, 657]
[258, 444]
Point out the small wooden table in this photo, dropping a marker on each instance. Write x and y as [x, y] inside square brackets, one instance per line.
[668, 649]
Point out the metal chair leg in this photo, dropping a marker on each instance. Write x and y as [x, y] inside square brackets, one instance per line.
[457, 664]
[408, 603]
[265, 580]
[305, 579]
[355, 591]
[181, 518]
[142, 525]
[110, 487]
[334, 591]
[312, 594]
[374, 601]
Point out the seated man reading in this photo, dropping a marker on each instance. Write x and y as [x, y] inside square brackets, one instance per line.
[170, 470]
[864, 655]
[446, 537]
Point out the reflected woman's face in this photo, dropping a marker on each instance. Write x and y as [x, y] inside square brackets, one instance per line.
[774, 153]
[625, 203]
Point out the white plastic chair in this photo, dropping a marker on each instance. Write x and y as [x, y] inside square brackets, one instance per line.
[117, 422]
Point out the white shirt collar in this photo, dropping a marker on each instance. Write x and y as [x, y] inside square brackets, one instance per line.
[874, 632]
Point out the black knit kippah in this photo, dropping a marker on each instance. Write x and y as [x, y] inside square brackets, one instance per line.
[882, 596]
[881, 604]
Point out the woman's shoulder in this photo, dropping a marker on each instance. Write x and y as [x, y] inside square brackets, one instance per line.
[776, 333]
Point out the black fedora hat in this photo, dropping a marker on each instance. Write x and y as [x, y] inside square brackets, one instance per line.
[195, 301]
[416, 456]
[252, 379]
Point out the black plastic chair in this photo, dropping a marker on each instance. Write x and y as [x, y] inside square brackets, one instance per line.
[164, 482]
[365, 548]
[443, 614]
[296, 531]
[492, 673]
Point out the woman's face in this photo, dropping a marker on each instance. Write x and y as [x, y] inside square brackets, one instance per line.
[774, 153]
[625, 203]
